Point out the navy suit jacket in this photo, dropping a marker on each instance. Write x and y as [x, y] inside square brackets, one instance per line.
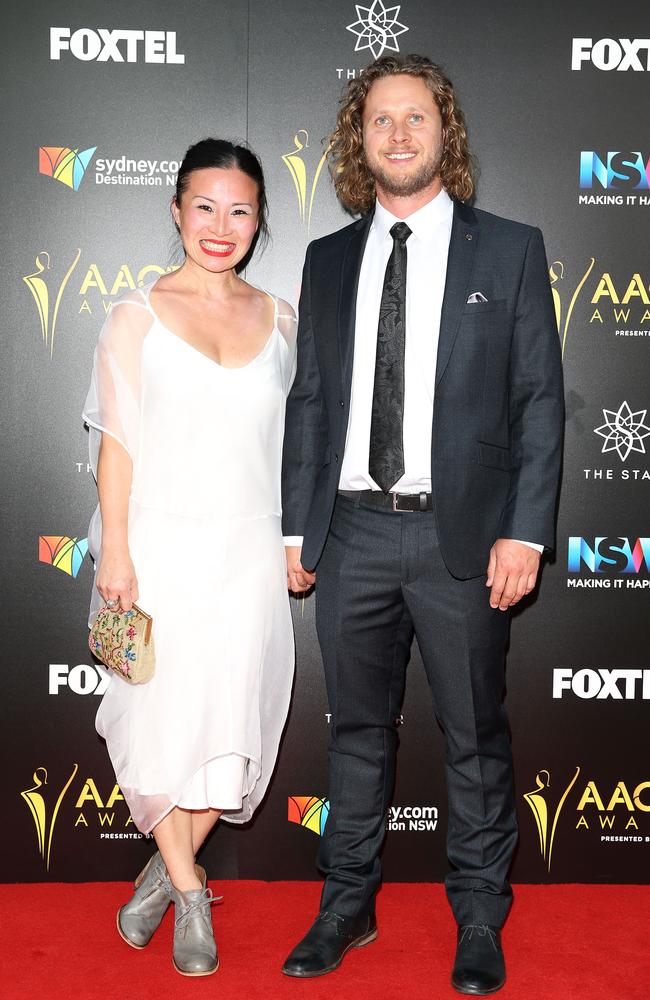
[498, 411]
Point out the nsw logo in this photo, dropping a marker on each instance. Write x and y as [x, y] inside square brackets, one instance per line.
[608, 554]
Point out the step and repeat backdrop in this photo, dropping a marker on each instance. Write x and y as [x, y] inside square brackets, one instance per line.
[100, 104]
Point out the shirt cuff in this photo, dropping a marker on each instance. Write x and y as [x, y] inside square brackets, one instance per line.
[293, 540]
[531, 545]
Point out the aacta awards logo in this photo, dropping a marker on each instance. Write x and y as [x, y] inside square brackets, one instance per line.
[65, 165]
[62, 552]
[106, 814]
[297, 166]
[45, 811]
[308, 811]
[97, 291]
[47, 288]
[616, 813]
[565, 295]
[546, 817]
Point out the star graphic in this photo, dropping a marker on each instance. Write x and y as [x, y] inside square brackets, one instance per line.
[623, 431]
[377, 28]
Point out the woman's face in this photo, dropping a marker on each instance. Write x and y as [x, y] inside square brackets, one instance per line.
[217, 217]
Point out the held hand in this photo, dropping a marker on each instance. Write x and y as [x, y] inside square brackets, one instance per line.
[298, 578]
[116, 580]
[511, 573]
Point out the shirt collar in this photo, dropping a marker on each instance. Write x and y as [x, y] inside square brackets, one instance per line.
[423, 224]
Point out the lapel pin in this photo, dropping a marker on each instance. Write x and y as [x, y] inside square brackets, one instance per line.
[468, 236]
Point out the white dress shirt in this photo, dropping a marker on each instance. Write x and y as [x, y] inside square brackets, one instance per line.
[427, 249]
[427, 252]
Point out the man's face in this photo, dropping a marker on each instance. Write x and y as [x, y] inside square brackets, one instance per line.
[402, 136]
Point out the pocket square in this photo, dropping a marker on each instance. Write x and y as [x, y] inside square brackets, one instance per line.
[476, 297]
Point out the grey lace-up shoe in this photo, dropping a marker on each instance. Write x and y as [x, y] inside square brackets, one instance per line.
[141, 916]
[195, 950]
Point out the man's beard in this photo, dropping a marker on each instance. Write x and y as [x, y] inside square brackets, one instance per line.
[403, 187]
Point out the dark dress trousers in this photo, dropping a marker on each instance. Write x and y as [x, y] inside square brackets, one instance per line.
[383, 576]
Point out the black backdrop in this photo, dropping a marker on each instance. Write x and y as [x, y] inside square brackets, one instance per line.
[539, 104]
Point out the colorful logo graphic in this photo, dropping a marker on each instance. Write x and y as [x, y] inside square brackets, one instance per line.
[309, 811]
[613, 554]
[65, 165]
[377, 28]
[539, 801]
[43, 814]
[42, 286]
[623, 431]
[614, 170]
[297, 167]
[66, 554]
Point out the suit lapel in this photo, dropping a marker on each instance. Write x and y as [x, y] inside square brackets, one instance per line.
[460, 264]
[349, 284]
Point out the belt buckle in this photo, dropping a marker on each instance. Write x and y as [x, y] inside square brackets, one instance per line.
[400, 510]
[409, 510]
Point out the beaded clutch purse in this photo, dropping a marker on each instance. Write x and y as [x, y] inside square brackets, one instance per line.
[122, 640]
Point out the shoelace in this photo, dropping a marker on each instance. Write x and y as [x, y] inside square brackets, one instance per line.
[482, 930]
[327, 916]
[206, 900]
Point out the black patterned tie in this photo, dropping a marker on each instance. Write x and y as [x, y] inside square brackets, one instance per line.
[386, 461]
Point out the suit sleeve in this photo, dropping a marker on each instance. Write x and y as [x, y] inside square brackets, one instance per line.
[536, 406]
[305, 434]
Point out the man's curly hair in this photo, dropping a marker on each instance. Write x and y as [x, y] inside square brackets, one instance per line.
[354, 183]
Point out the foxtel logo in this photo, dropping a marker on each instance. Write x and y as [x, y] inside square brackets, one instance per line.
[612, 53]
[618, 684]
[103, 45]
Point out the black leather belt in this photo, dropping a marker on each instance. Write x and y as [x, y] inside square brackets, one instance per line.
[410, 502]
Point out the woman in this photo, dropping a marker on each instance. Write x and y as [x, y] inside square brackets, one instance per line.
[186, 416]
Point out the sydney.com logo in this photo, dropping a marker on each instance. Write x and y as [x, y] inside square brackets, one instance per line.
[312, 813]
[65, 165]
[69, 166]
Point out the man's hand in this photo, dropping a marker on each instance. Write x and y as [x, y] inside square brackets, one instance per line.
[511, 573]
[298, 578]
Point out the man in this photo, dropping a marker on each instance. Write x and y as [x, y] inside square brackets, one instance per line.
[421, 463]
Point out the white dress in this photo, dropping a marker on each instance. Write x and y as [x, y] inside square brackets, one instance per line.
[206, 542]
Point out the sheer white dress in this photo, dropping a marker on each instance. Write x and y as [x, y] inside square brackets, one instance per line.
[206, 542]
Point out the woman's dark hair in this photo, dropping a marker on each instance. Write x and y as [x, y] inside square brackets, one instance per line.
[228, 156]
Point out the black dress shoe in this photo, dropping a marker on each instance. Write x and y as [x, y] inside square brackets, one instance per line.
[479, 967]
[326, 942]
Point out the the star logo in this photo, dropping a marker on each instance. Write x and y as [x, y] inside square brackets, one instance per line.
[377, 28]
[623, 431]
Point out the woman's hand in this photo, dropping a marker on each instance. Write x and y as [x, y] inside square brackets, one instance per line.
[116, 580]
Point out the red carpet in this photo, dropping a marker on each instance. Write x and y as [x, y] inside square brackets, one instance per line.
[562, 943]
